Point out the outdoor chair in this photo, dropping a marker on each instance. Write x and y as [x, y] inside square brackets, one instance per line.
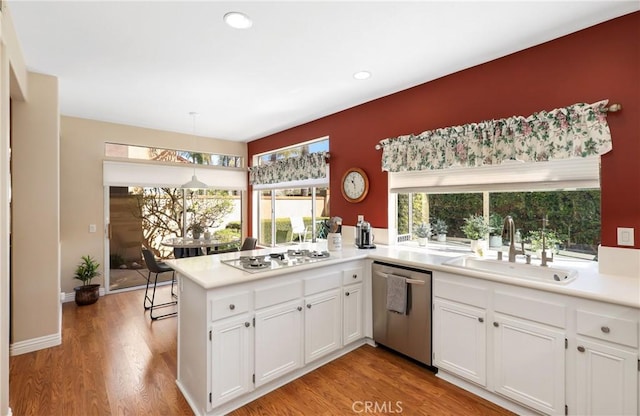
[249, 244]
[298, 228]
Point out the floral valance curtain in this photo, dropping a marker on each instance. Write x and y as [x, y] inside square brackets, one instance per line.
[311, 166]
[579, 130]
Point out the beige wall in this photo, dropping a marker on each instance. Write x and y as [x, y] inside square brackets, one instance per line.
[81, 190]
[12, 84]
[35, 258]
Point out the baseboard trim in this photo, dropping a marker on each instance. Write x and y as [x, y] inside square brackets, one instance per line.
[71, 297]
[485, 394]
[35, 344]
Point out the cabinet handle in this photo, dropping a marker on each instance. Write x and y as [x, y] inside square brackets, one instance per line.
[605, 329]
[247, 324]
[355, 276]
[580, 348]
[480, 319]
[496, 324]
[232, 306]
[309, 305]
[346, 293]
[299, 308]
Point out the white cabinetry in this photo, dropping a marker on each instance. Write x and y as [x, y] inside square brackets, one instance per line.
[352, 305]
[352, 313]
[278, 347]
[460, 340]
[529, 362]
[607, 360]
[529, 329]
[504, 339]
[607, 378]
[231, 358]
[459, 327]
[322, 315]
[231, 347]
[544, 351]
[238, 342]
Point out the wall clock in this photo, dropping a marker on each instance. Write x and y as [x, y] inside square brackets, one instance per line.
[354, 185]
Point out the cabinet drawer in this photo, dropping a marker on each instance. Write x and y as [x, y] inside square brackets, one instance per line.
[609, 328]
[322, 283]
[225, 306]
[352, 276]
[275, 294]
[460, 292]
[536, 310]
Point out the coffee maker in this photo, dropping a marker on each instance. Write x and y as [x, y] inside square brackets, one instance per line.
[364, 236]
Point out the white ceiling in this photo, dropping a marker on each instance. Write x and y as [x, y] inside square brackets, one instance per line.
[150, 63]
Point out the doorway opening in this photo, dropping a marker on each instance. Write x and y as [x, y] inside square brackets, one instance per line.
[146, 216]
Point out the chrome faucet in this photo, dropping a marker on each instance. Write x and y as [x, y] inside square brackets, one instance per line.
[509, 227]
[545, 259]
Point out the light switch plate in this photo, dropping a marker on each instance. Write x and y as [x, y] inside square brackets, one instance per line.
[625, 236]
[92, 228]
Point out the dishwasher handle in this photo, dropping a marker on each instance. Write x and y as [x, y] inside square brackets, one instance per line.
[406, 279]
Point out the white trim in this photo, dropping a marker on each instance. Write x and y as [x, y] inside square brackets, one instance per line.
[485, 394]
[35, 344]
[120, 173]
[513, 176]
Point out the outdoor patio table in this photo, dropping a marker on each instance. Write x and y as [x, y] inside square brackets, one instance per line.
[189, 247]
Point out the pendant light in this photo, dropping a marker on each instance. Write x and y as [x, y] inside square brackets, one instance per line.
[194, 183]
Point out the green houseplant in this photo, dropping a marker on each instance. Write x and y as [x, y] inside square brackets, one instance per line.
[422, 231]
[86, 270]
[551, 242]
[496, 222]
[476, 228]
[439, 227]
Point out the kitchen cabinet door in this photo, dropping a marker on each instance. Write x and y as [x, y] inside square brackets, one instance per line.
[460, 340]
[529, 363]
[231, 359]
[352, 313]
[278, 341]
[322, 324]
[607, 377]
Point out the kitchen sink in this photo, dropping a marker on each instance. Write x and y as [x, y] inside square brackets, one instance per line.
[517, 270]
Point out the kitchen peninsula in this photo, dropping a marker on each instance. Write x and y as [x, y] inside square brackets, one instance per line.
[244, 333]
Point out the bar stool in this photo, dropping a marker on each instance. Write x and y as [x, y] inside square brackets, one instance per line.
[157, 267]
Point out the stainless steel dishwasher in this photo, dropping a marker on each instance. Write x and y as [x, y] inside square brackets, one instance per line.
[409, 333]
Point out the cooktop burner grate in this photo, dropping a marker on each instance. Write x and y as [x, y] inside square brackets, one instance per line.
[274, 261]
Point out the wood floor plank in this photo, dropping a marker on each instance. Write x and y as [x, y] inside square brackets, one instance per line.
[114, 361]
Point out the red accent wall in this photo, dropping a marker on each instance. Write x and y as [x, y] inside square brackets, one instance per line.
[587, 66]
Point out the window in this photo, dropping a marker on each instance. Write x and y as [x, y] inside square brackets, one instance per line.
[573, 216]
[167, 155]
[294, 211]
[319, 145]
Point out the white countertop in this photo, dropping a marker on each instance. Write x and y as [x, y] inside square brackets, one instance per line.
[210, 273]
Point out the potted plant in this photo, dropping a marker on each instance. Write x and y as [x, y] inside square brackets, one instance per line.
[551, 242]
[422, 231]
[85, 271]
[439, 227]
[496, 223]
[196, 230]
[476, 228]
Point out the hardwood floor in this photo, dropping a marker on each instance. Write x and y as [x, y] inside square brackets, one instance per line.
[113, 360]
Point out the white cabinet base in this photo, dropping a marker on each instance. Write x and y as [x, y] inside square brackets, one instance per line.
[485, 394]
[270, 386]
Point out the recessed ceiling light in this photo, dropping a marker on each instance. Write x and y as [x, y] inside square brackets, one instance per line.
[238, 20]
[362, 75]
